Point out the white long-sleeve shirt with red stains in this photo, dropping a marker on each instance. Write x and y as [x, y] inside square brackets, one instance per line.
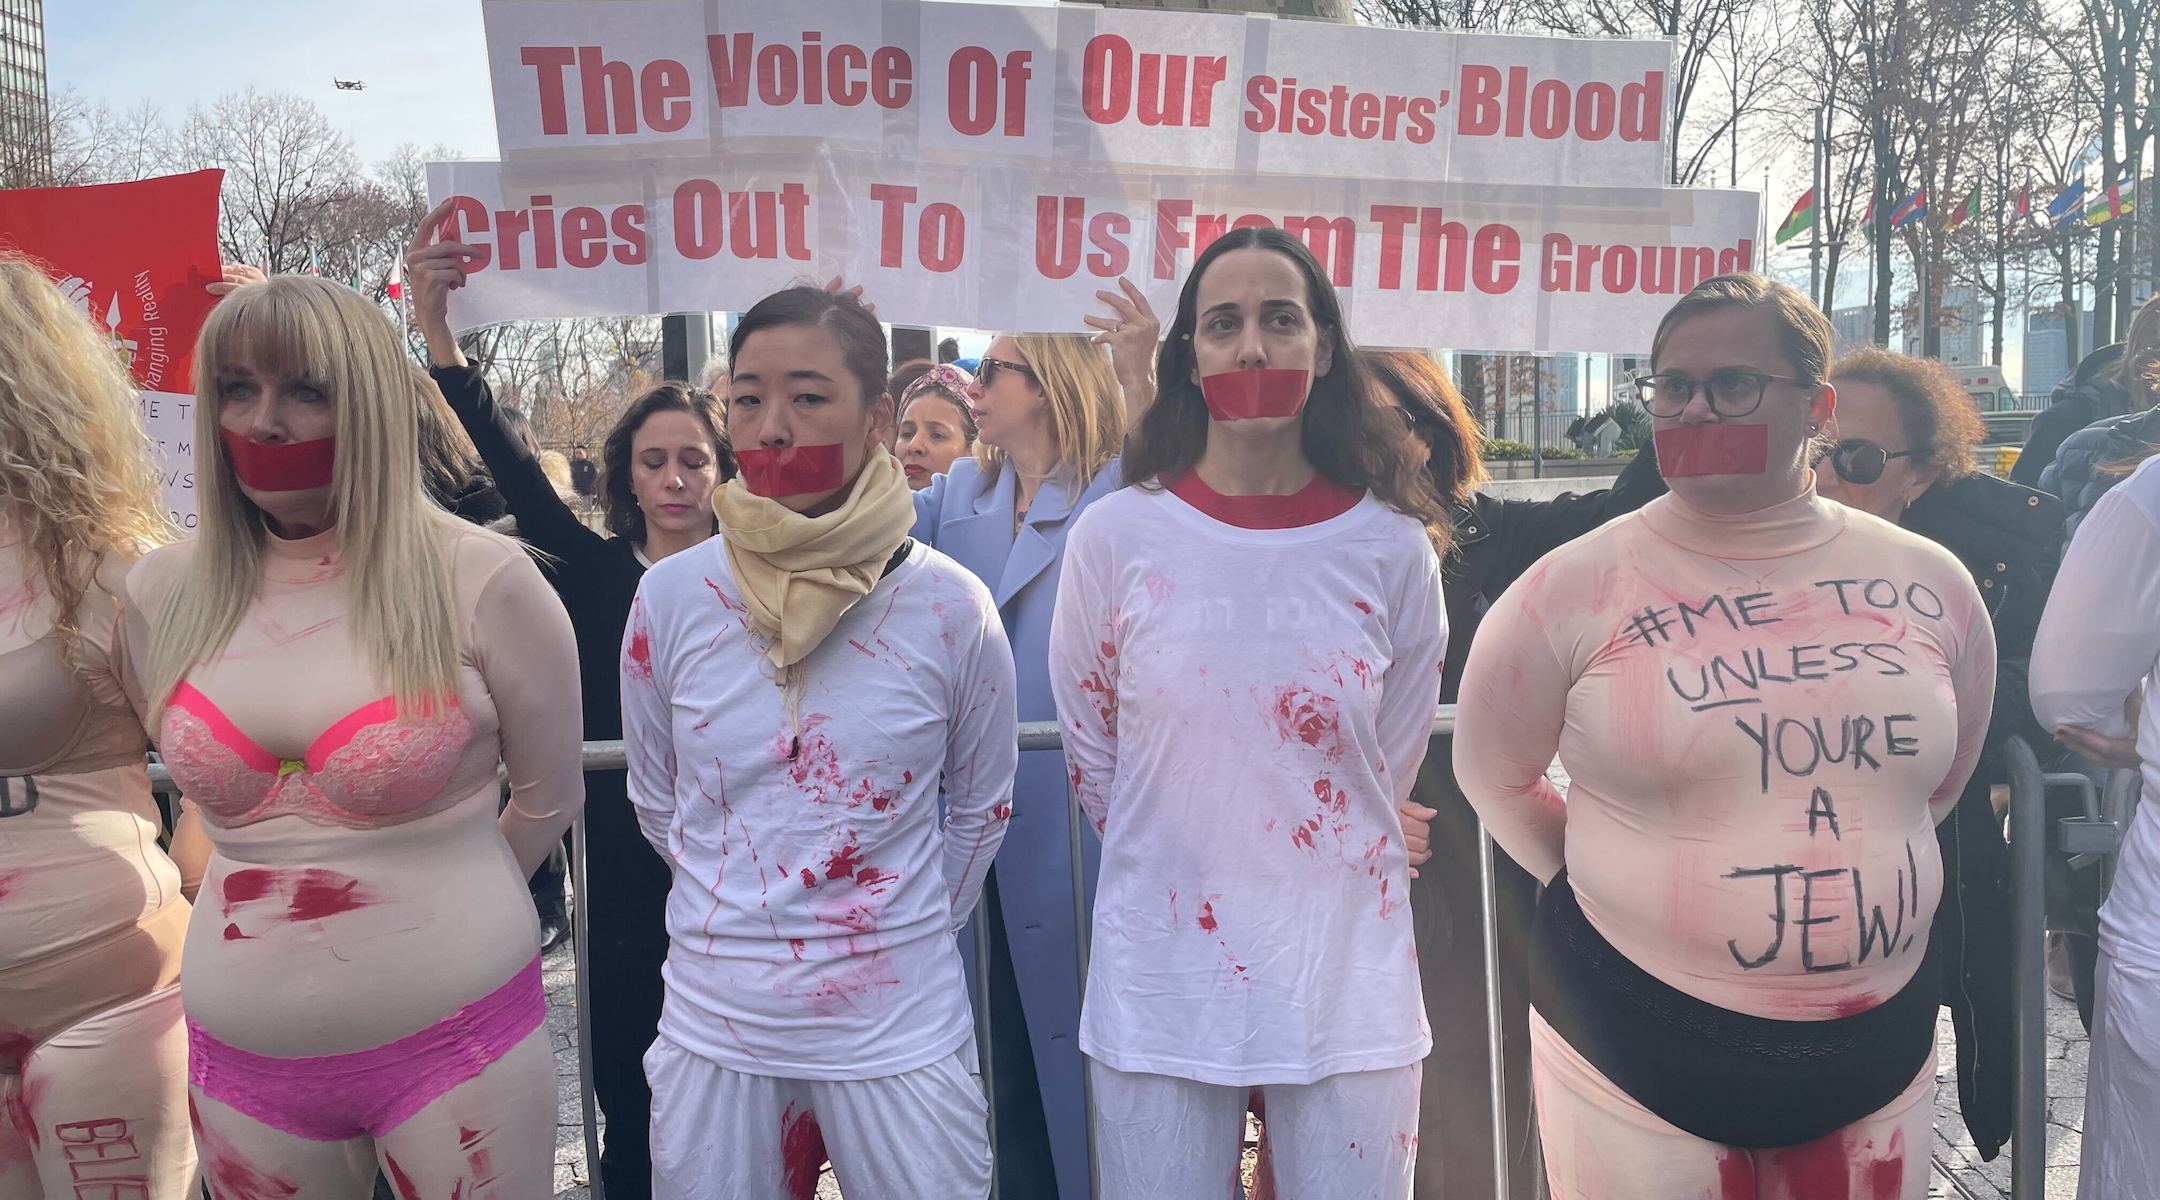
[1244, 710]
[817, 889]
[1762, 717]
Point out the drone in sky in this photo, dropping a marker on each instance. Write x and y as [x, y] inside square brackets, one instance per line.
[350, 85]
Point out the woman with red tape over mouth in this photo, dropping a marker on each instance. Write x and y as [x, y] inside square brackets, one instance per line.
[1765, 701]
[93, 1054]
[336, 667]
[797, 692]
[1246, 657]
[335, 670]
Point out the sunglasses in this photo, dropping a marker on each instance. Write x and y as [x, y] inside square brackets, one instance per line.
[991, 366]
[1860, 462]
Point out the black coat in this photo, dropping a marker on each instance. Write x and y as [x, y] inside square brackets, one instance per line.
[2010, 538]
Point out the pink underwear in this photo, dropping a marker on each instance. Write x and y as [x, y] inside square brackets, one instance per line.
[335, 1097]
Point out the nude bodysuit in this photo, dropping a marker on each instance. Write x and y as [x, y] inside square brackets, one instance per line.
[92, 1052]
[361, 979]
[1762, 717]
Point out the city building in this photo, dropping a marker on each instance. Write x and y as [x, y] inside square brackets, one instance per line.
[25, 123]
[2047, 357]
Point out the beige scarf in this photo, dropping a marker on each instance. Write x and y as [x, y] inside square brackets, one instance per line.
[799, 574]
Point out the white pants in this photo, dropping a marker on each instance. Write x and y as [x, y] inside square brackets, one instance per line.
[1346, 1137]
[719, 1134]
[2120, 1159]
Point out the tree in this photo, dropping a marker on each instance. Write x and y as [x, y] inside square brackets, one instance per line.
[284, 165]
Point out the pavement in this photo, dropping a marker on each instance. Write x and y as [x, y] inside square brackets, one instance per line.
[1958, 1172]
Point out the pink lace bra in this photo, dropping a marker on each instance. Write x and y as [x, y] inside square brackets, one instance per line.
[369, 769]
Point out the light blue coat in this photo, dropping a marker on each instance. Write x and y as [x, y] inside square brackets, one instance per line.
[969, 518]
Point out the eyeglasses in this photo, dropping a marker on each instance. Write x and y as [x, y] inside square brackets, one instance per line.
[1861, 462]
[991, 366]
[1731, 393]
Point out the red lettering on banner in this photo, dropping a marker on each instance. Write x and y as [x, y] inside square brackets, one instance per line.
[468, 220]
[1449, 258]
[842, 74]
[1058, 224]
[1510, 104]
[1173, 89]
[628, 222]
[894, 199]
[973, 82]
[941, 232]
[584, 237]
[549, 63]
[764, 223]
[1333, 240]
[1570, 266]
[1281, 106]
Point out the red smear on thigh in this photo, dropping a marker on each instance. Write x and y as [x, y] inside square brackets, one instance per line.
[1817, 1170]
[14, 1048]
[252, 883]
[400, 1180]
[1886, 1176]
[8, 880]
[232, 1177]
[802, 1153]
[1735, 1175]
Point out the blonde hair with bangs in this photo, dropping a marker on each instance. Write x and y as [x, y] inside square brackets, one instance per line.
[76, 473]
[1087, 408]
[395, 542]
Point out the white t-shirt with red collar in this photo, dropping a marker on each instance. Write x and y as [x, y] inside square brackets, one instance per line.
[1246, 686]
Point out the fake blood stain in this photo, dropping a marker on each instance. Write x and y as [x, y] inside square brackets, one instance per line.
[232, 1177]
[802, 1153]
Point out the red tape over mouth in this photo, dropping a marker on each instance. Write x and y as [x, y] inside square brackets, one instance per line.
[1264, 392]
[792, 470]
[281, 466]
[1713, 449]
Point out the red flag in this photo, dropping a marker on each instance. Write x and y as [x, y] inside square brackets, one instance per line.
[396, 290]
[137, 257]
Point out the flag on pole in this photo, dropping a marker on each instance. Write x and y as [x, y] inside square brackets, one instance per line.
[1800, 219]
[2115, 200]
[1910, 209]
[1965, 210]
[396, 290]
[2068, 206]
[2024, 204]
[314, 264]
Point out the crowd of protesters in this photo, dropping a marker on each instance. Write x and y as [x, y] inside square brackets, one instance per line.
[1239, 562]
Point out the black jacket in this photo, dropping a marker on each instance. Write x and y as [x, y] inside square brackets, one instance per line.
[2010, 538]
[2081, 473]
[1496, 541]
[2092, 393]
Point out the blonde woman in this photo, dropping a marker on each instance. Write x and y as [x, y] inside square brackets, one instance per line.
[93, 1059]
[335, 666]
[1050, 421]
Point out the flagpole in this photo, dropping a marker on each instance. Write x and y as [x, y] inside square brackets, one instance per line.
[1815, 165]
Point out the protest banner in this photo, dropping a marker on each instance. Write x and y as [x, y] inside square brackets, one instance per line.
[138, 257]
[680, 85]
[1024, 248]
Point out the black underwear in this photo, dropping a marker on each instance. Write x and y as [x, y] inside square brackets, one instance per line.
[1726, 1077]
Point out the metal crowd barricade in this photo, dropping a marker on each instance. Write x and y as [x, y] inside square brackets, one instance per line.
[2097, 832]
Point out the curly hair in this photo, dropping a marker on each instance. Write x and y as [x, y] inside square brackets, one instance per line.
[1935, 411]
[618, 504]
[76, 470]
[1438, 417]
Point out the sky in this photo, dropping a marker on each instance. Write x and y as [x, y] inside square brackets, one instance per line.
[424, 61]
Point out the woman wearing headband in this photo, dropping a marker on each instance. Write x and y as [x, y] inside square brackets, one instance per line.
[659, 466]
[797, 693]
[1246, 655]
[937, 426]
[1765, 701]
[335, 667]
[93, 1057]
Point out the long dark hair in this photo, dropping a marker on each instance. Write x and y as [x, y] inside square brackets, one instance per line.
[617, 502]
[1438, 418]
[861, 338]
[1348, 437]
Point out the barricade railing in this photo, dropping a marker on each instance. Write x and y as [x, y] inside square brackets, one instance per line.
[2097, 832]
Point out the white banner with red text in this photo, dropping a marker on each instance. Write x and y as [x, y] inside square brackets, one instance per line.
[686, 83]
[1494, 267]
